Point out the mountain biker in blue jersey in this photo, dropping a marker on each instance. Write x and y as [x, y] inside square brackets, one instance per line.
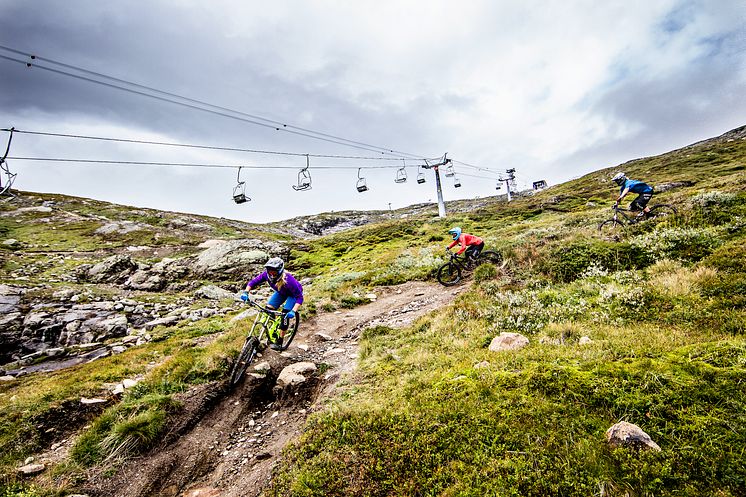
[288, 293]
[643, 190]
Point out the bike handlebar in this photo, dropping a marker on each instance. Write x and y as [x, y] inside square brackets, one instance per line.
[262, 308]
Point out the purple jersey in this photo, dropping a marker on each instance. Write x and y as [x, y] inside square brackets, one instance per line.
[291, 288]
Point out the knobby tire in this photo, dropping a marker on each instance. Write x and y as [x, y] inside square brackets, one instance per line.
[291, 331]
[449, 274]
[490, 257]
[660, 211]
[611, 226]
[244, 359]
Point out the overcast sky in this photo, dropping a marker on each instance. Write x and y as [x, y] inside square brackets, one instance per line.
[554, 89]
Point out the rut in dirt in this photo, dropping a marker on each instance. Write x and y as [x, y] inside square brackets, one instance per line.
[226, 443]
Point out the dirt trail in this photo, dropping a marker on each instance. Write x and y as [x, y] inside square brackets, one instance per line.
[226, 444]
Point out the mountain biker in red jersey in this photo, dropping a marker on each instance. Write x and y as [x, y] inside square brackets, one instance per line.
[288, 293]
[470, 244]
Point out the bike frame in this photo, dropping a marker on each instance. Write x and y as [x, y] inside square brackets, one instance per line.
[267, 319]
[627, 217]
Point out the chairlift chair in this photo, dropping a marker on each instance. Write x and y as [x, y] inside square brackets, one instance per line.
[361, 185]
[239, 191]
[304, 179]
[449, 171]
[498, 186]
[401, 176]
[456, 183]
[420, 176]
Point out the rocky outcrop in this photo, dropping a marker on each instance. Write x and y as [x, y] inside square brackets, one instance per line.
[235, 258]
[114, 269]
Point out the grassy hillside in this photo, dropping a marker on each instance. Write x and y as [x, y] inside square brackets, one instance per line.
[433, 411]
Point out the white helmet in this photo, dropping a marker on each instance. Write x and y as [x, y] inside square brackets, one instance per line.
[619, 178]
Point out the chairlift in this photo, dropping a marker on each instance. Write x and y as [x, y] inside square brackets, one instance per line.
[401, 175]
[304, 178]
[449, 171]
[456, 183]
[361, 186]
[420, 176]
[239, 191]
[5, 170]
[499, 186]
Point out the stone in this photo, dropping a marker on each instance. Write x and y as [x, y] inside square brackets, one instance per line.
[31, 469]
[295, 374]
[7, 377]
[624, 434]
[263, 367]
[584, 340]
[214, 293]
[129, 383]
[508, 341]
[87, 401]
[166, 321]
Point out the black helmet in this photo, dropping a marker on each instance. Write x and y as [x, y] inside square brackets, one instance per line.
[275, 264]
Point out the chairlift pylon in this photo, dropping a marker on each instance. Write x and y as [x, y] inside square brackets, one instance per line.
[239, 191]
[5, 170]
[361, 185]
[304, 178]
[401, 174]
[420, 176]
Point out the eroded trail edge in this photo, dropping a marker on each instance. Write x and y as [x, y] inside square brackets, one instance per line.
[226, 443]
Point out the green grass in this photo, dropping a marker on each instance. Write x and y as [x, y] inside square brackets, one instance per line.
[663, 305]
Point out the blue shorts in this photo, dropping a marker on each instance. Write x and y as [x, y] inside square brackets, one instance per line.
[276, 300]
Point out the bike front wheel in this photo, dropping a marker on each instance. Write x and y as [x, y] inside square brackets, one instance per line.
[449, 274]
[611, 227]
[244, 359]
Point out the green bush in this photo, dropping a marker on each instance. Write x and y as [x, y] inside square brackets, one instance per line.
[568, 262]
[730, 257]
[684, 244]
[485, 272]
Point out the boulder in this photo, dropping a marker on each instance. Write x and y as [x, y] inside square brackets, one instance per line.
[624, 434]
[295, 374]
[214, 293]
[114, 269]
[508, 341]
[235, 258]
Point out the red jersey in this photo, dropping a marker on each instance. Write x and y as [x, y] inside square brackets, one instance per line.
[465, 240]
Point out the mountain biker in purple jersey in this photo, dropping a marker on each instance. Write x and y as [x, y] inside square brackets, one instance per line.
[643, 190]
[288, 293]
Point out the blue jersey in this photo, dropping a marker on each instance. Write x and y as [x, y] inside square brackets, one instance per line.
[636, 187]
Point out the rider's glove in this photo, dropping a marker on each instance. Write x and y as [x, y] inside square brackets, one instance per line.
[245, 296]
[290, 314]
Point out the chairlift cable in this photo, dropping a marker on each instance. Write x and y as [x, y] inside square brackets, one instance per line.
[185, 164]
[278, 126]
[205, 147]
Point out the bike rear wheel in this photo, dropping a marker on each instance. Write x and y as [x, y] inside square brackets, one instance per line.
[490, 257]
[449, 274]
[291, 331]
[248, 353]
[661, 211]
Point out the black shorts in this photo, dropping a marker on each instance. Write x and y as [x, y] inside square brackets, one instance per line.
[640, 202]
[474, 250]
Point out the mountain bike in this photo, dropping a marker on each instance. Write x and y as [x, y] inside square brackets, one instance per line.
[623, 217]
[266, 329]
[452, 271]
